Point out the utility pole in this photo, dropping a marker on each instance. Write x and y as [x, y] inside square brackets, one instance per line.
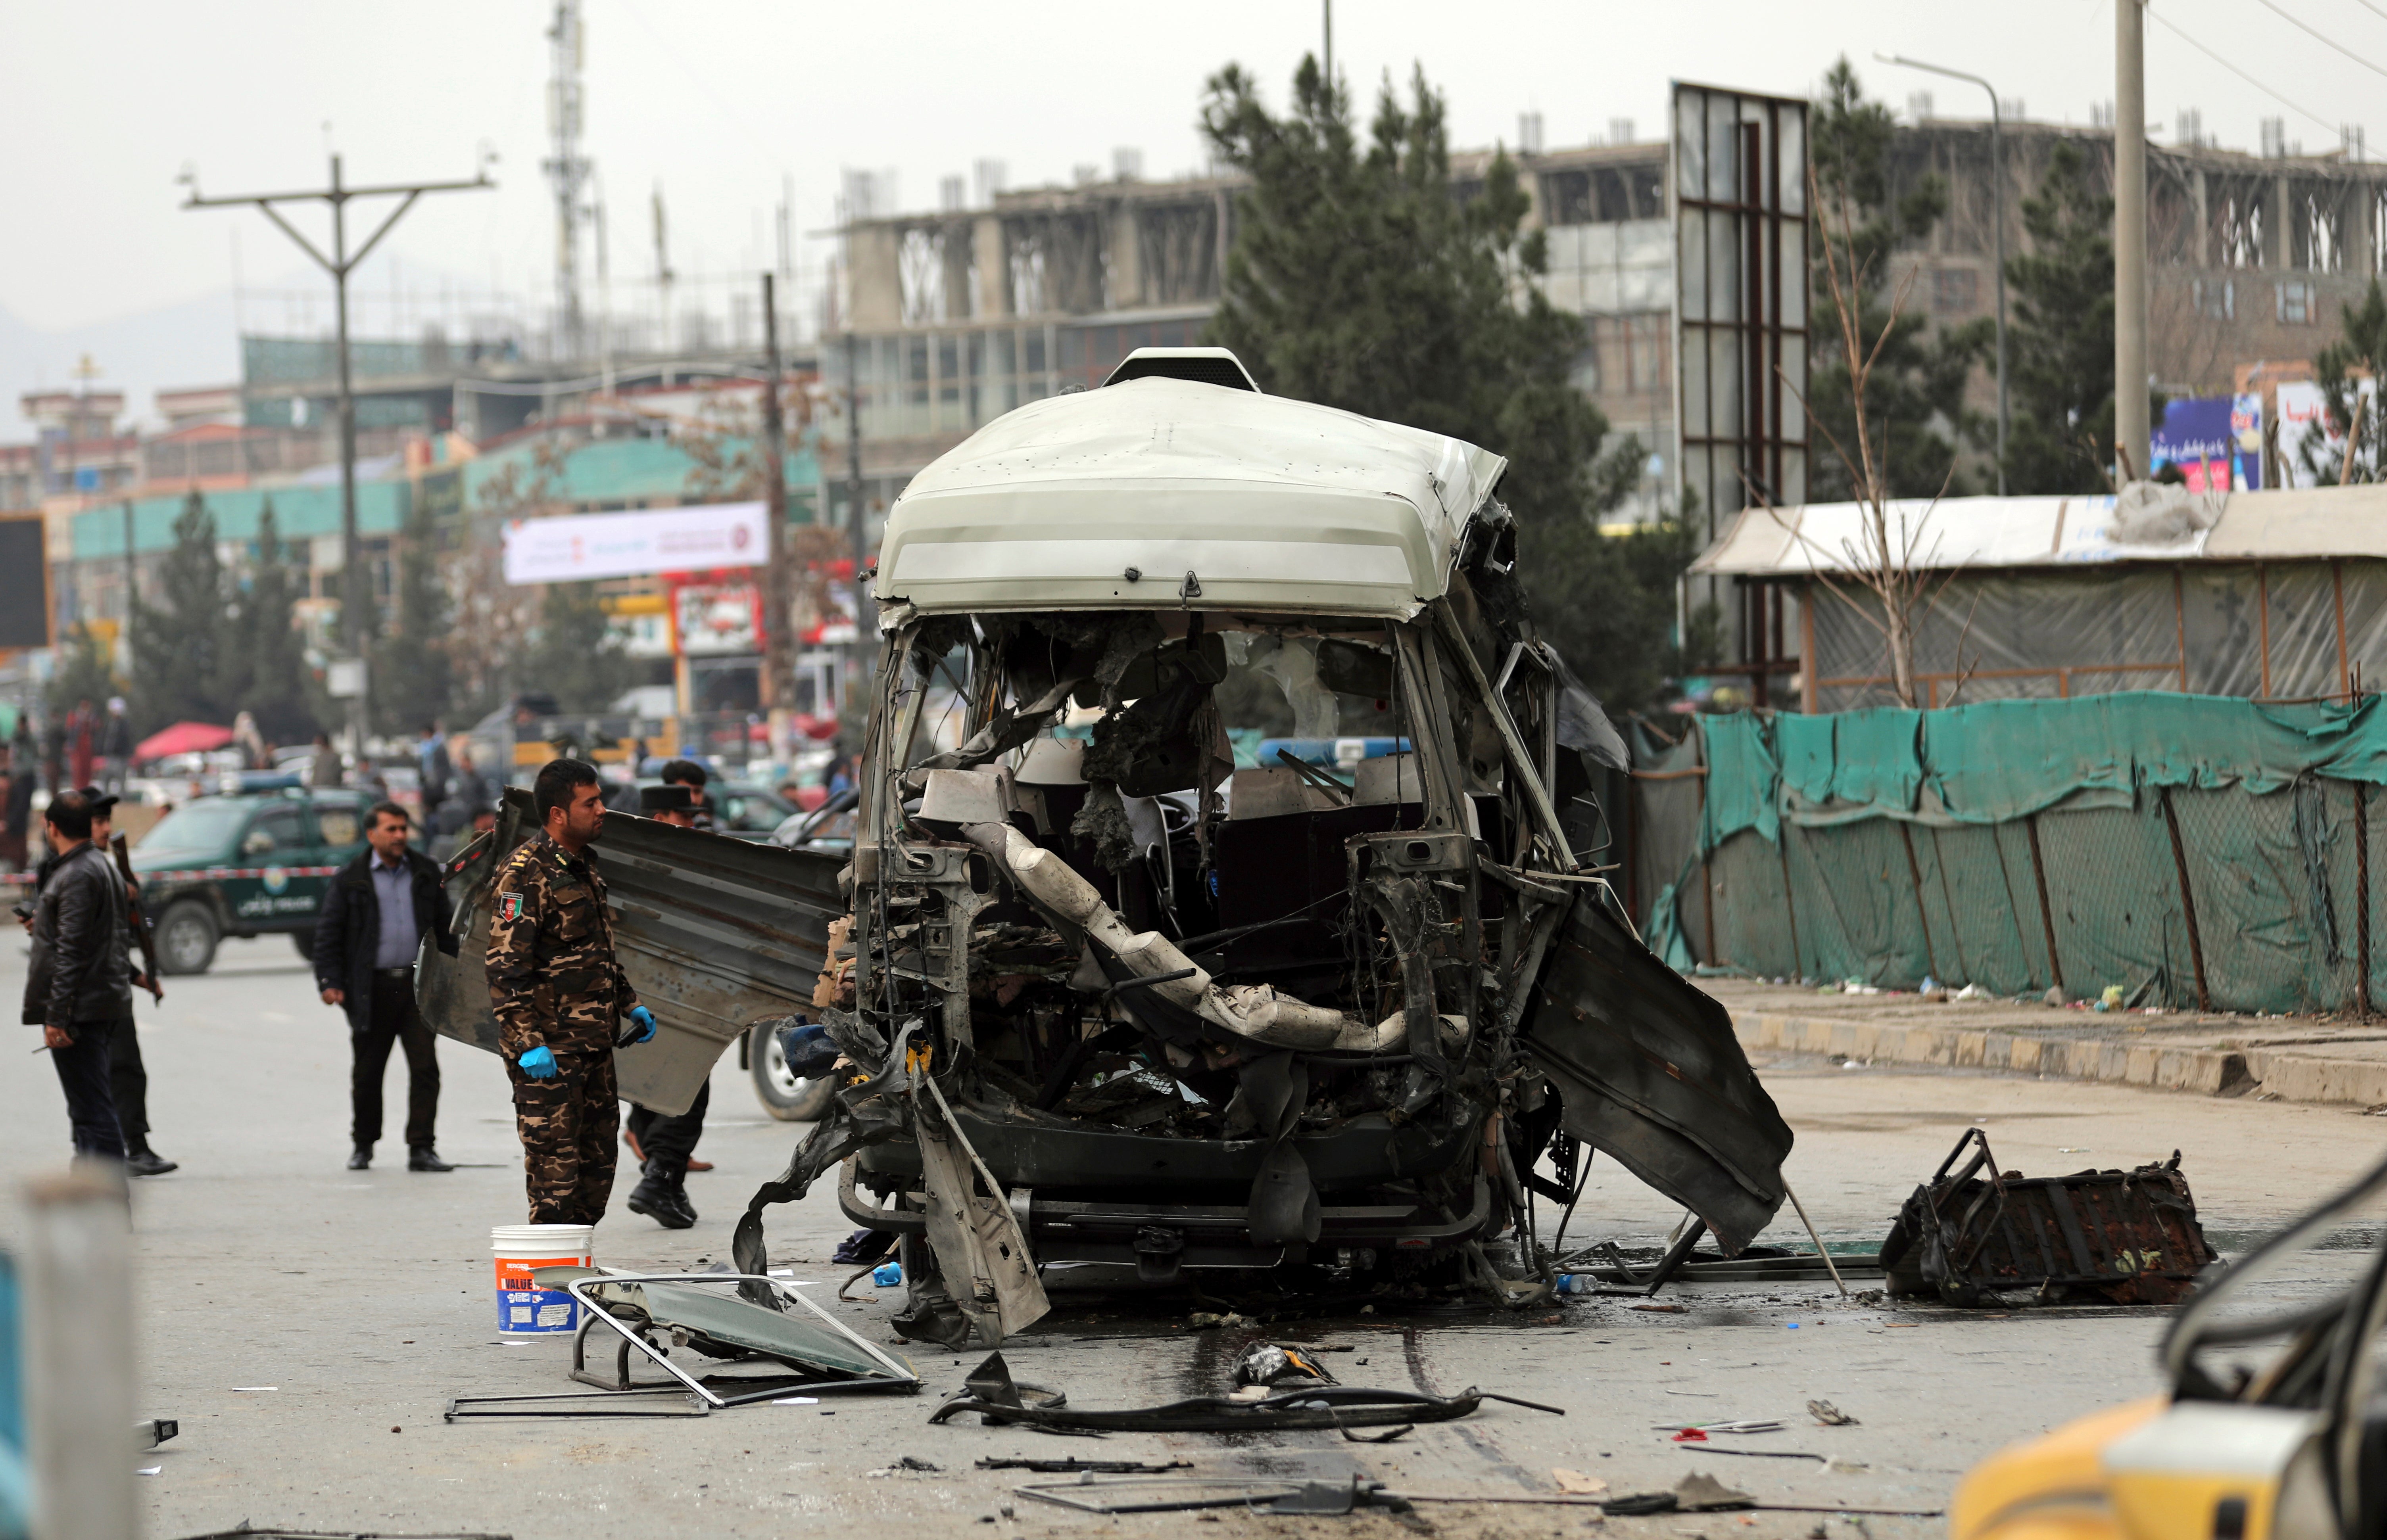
[131, 595]
[865, 639]
[567, 169]
[356, 607]
[1329, 60]
[778, 590]
[2131, 435]
[662, 285]
[1998, 192]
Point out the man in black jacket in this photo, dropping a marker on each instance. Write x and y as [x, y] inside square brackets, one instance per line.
[375, 914]
[79, 986]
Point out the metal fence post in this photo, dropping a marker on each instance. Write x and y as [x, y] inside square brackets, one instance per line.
[2362, 895]
[1922, 917]
[2046, 911]
[1790, 908]
[2187, 899]
[78, 1345]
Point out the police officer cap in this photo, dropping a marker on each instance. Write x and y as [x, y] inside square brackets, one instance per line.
[665, 799]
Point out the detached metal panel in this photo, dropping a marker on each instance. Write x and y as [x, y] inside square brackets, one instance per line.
[716, 934]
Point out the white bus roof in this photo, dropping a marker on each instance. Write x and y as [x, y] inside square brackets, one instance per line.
[1211, 498]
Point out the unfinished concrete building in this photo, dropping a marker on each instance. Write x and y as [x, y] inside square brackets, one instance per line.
[956, 317]
[2251, 256]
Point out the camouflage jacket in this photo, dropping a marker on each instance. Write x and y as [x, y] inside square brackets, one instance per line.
[553, 978]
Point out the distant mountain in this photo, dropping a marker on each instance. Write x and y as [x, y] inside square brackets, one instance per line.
[191, 343]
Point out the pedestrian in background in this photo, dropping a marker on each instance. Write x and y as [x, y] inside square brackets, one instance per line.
[116, 746]
[664, 1143]
[325, 768]
[374, 916]
[557, 990]
[128, 1078]
[435, 768]
[17, 805]
[79, 989]
[82, 742]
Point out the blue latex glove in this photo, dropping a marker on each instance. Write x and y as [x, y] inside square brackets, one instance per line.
[538, 1063]
[645, 1019]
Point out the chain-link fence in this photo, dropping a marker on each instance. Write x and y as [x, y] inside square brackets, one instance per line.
[2243, 882]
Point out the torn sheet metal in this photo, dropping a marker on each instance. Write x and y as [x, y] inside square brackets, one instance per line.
[717, 935]
[990, 1392]
[1974, 1232]
[1649, 1071]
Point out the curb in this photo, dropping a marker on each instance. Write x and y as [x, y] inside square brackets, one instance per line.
[2207, 1071]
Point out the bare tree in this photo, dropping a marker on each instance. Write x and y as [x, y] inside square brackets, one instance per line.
[1887, 561]
[494, 619]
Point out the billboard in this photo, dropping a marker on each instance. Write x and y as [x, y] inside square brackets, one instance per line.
[2216, 441]
[574, 547]
[24, 583]
[1738, 191]
[2312, 452]
[716, 620]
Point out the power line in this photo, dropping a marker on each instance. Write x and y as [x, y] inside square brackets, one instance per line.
[2374, 10]
[2324, 37]
[2287, 102]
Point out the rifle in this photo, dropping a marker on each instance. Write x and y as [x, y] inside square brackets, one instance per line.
[142, 936]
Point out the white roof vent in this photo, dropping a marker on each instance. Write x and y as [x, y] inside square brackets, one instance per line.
[1201, 365]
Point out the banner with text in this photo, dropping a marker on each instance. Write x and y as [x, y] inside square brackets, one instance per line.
[574, 547]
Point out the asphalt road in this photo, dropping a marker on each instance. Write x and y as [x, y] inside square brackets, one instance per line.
[364, 1301]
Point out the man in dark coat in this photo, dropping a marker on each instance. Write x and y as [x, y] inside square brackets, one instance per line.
[375, 914]
[80, 988]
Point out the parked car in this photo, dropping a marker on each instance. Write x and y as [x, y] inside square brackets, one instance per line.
[247, 864]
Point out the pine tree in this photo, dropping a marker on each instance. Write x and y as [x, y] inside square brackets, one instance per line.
[179, 648]
[84, 672]
[2061, 341]
[411, 671]
[577, 655]
[2358, 354]
[271, 675]
[1915, 393]
[1358, 279]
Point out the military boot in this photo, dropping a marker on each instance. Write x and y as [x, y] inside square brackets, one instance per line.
[660, 1197]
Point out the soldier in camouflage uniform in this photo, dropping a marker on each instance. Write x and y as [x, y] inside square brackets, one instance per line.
[557, 990]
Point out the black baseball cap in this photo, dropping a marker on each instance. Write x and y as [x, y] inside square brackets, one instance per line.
[100, 802]
[665, 799]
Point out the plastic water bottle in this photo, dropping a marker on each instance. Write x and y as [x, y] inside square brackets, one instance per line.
[886, 1274]
[1577, 1283]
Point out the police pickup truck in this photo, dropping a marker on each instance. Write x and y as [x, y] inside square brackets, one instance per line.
[247, 865]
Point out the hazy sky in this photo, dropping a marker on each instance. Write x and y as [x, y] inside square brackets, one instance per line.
[718, 100]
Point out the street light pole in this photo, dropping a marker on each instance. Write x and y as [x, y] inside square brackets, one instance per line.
[1998, 190]
[2130, 410]
[355, 607]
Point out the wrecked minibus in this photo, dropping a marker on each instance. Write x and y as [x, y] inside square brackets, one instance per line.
[1221, 903]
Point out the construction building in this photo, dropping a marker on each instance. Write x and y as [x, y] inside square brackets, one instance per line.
[949, 319]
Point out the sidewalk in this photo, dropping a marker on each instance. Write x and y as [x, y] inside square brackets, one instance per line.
[2284, 1058]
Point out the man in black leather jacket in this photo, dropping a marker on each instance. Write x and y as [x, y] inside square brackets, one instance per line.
[79, 986]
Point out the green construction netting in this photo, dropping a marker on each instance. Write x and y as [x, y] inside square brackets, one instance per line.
[2187, 849]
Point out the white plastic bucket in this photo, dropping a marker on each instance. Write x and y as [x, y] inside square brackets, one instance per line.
[525, 1312]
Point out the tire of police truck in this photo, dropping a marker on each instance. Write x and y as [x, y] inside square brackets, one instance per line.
[186, 937]
[786, 1097]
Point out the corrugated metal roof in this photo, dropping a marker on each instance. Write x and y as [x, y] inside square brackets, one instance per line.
[2312, 524]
